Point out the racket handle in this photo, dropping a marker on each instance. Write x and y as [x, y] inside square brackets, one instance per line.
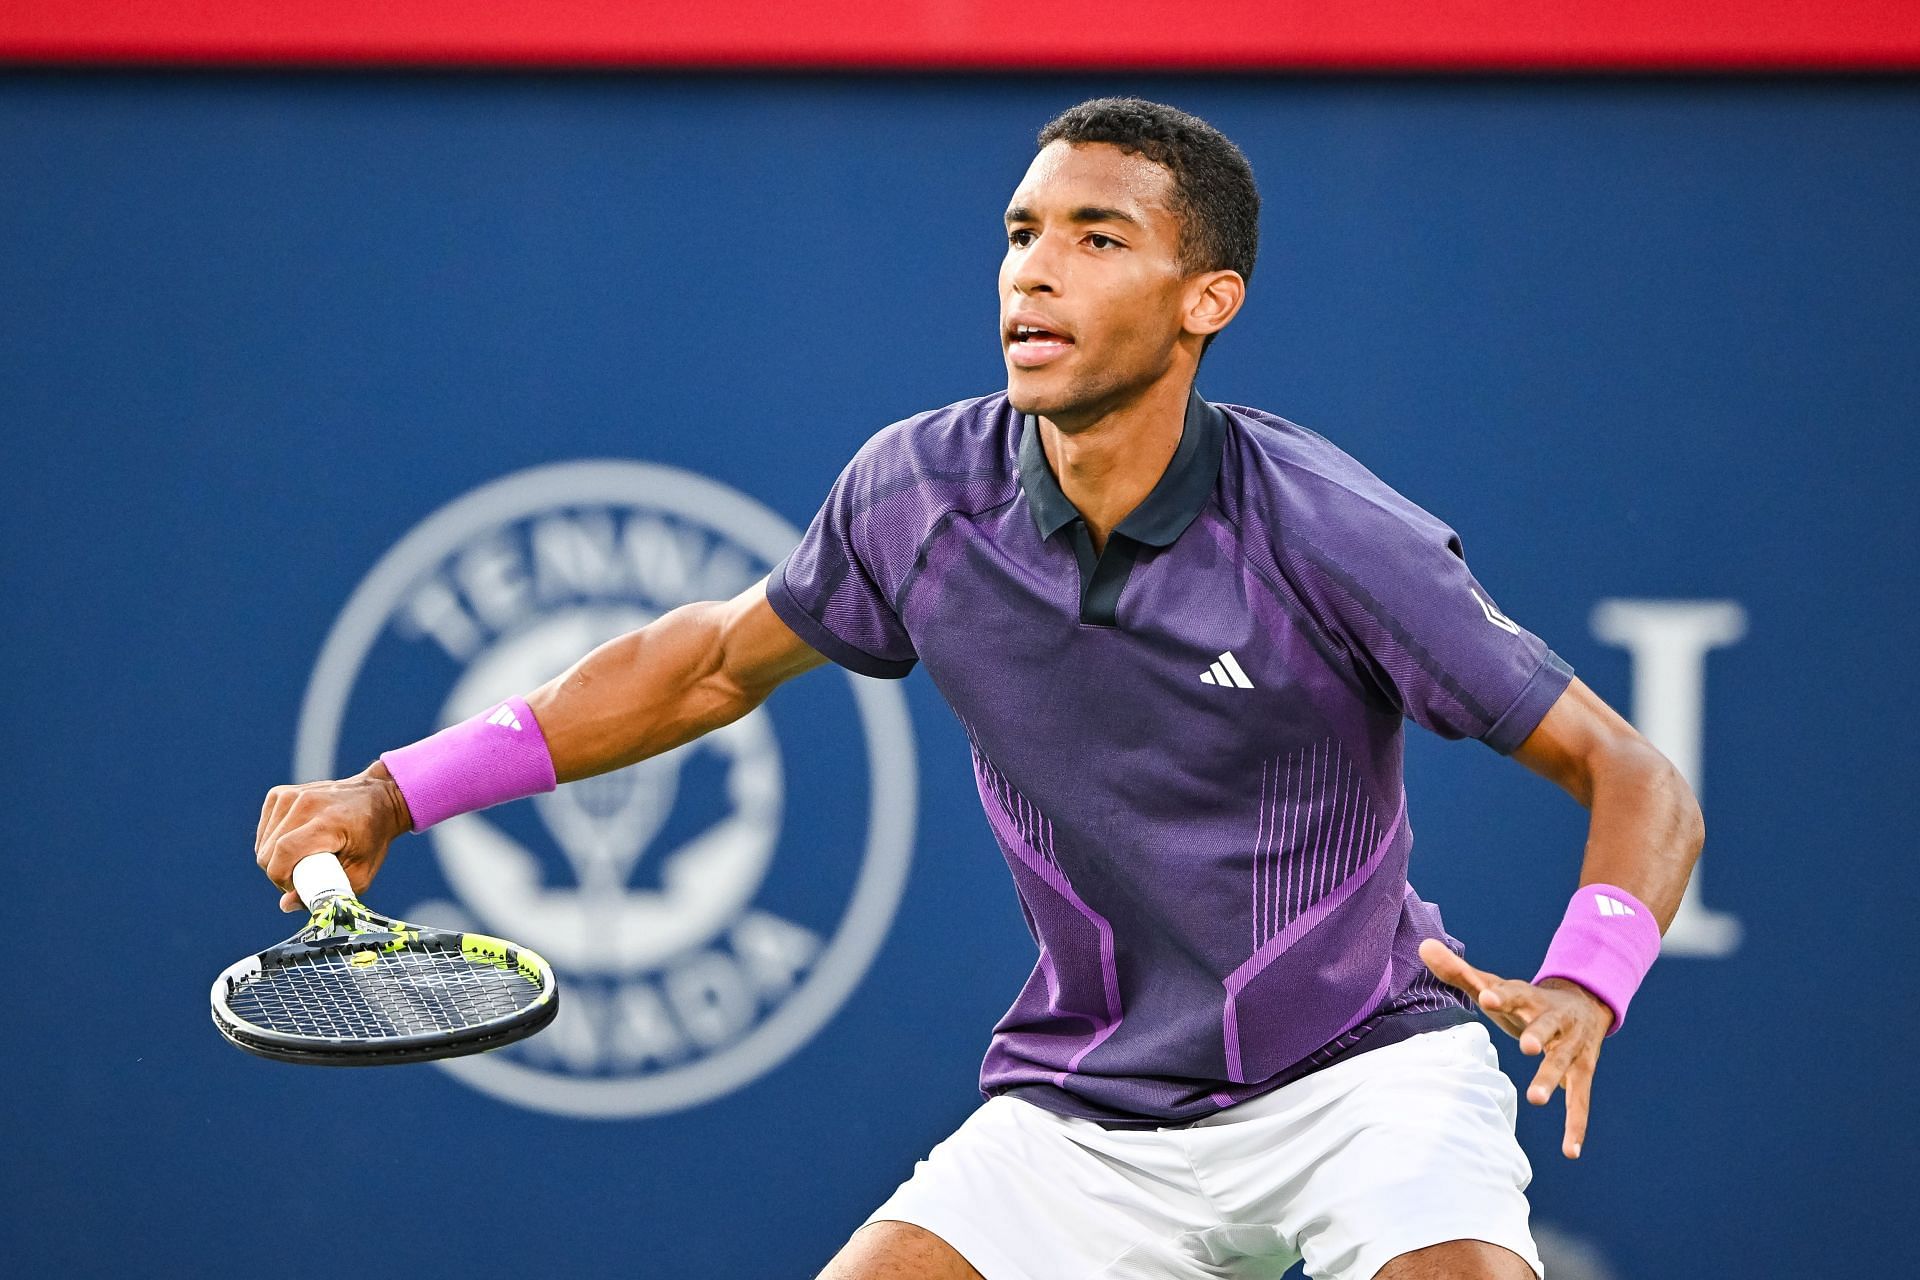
[319, 876]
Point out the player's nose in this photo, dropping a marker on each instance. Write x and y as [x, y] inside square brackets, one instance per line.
[1035, 269]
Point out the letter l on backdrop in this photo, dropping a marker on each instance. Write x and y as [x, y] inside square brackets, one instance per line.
[1668, 642]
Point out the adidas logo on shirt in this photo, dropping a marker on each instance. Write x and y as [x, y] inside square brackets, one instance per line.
[504, 717]
[1612, 906]
[1225, 670]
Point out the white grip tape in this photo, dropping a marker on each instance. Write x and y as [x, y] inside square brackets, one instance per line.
[318, 876]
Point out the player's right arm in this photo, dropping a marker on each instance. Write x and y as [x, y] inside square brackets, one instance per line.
[692, 670]
[699, 667]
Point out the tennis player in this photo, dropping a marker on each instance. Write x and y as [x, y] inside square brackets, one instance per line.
[1183, 638]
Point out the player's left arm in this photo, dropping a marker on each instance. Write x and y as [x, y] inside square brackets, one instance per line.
[1644, 833]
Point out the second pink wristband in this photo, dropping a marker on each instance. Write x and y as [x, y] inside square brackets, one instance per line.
[1606, 942]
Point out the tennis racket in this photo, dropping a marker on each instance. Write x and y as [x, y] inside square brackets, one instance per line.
[355, 988]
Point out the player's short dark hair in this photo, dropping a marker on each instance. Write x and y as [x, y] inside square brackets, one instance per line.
[1213, 191]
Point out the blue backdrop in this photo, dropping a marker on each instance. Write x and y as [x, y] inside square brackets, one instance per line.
[1634, 339]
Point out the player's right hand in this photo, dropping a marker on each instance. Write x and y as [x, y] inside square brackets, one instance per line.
[355, 818]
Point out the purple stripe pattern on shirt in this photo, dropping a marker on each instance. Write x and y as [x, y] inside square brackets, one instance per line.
[1189, 745]
[1333, 844]
[1028, 835]
[1300, 924]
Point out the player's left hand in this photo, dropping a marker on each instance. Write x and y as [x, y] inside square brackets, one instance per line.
[1561, 1019]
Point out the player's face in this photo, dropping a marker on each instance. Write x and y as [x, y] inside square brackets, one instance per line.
[1093, 264]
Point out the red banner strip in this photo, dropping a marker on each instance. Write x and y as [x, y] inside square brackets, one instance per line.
[1195, 35]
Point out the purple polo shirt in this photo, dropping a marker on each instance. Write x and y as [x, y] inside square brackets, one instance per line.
[1189, 745]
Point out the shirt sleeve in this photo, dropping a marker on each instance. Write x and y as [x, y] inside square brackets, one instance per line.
[1390, 583]
[829, 588]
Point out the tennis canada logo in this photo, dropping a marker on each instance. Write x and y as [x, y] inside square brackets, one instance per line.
[707, 910]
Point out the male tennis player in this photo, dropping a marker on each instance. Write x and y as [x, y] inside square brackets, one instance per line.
[1183, 638]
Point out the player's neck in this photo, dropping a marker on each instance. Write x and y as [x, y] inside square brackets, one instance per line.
[1108, 466]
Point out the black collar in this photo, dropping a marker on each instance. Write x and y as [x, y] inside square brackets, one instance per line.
[1165, 512]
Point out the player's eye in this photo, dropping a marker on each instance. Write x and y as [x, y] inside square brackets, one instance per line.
[1020, 238]
[1099, 241]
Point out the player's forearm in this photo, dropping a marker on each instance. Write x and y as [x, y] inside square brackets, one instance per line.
[1645, 829]
[643, 693]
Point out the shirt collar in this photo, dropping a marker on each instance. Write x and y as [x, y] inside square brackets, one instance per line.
[1166, 511]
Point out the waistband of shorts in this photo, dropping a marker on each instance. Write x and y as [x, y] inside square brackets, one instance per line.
[1391, 1030]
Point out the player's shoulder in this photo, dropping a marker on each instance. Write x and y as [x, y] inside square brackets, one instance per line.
[955, 435]
[962, 454]
[1287, 477]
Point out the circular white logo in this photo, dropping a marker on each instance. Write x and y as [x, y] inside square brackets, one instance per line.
[708, 909]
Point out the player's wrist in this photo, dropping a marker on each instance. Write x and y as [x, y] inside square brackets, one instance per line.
[498, 755]
[1606, 942]
[1599, 1008]
[390, 802]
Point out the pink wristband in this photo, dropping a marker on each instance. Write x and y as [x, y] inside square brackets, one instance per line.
[498, 755]
[1606, 942]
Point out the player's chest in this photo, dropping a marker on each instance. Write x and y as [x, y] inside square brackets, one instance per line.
[1177, 645]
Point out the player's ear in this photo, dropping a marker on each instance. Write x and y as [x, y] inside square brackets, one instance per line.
[1213, 298]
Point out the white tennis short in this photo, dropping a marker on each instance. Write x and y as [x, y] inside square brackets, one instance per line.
[1392, 1150]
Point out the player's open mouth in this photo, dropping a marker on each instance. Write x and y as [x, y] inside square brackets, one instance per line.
[1029, 345]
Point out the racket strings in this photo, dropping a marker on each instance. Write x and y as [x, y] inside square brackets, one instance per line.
[399, 993]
